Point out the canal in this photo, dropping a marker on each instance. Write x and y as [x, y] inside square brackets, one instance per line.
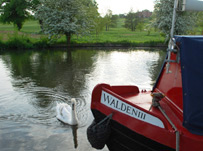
[32, 82]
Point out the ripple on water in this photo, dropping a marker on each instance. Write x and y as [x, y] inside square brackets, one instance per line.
[37, 105]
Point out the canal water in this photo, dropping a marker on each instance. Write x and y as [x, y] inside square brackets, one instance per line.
[32, 82]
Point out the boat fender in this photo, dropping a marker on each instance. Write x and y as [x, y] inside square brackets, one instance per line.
[98, 133]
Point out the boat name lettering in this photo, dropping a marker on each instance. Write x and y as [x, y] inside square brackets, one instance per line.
[117, 104]
[125, 108]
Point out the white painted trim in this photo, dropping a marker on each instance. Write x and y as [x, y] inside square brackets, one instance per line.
[125, 108]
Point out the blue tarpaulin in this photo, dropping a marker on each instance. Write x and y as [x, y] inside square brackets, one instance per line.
[191, 57]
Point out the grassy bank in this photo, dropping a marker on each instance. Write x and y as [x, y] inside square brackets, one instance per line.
[30, 37]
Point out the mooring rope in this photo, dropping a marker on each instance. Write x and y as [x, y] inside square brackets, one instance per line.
[155, 103]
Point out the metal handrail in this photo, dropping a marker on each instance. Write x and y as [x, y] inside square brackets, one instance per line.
[157, 97]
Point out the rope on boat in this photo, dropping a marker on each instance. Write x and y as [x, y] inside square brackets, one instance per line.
[155, 103]
[98, 133]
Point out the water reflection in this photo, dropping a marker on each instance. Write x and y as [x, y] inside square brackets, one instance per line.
[155, 65]
[32, 82]
[126, 68]
[74, 131]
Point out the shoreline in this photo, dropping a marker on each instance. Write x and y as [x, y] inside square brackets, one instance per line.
[32, 46]
[110, 45]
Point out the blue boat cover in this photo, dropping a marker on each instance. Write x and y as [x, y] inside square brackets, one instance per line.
[191, 57]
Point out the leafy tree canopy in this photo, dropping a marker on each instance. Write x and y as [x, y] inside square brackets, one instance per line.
[100, 23]
[163, 10]
[200, 21]
[107, 19]
[114, 20]
[14, 11]
[67, 17]
[131, 20]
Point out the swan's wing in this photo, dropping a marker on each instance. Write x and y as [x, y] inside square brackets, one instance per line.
[60, 106]
[63, 112]
[67, 107]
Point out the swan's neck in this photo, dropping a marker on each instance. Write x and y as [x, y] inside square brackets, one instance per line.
[74, 115]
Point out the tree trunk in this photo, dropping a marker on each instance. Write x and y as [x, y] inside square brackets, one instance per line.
[68, 38]
[41, 24]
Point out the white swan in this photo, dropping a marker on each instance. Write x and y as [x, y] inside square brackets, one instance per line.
[67, 113]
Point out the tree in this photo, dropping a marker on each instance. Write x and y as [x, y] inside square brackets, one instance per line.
[67, 17]
[33, 5]
[107, 19]
[163, 10]
[145, 14]
[140, 26]
[14, 11]
[114, 20]
[100, 23]
[200, 21]
[121, 15]
[131, 20]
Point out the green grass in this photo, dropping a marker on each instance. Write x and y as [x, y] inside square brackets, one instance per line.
[119, 35]
[30, 26]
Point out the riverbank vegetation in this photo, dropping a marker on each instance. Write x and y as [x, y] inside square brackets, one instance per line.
[48, 25]
[30, 36]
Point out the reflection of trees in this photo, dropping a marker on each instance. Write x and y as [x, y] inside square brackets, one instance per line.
[63, 71]
[155, 66]
[45, 74]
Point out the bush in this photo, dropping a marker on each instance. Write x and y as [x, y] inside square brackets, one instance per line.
[17, 41]
[22, 42]
[42, 43]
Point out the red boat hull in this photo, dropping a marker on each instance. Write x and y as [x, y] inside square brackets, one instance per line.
[122, 138]
[130, 133]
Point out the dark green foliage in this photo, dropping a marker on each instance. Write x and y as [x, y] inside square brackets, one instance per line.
[33, 4]
[100, 23]
[114, 20]
[14, 11]
[131, 21]
[2, 45]
[200, 22]
[19, 42]
[43, 43]
[107, 19]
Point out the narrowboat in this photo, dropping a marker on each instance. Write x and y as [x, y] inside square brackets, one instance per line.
[167, 118]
